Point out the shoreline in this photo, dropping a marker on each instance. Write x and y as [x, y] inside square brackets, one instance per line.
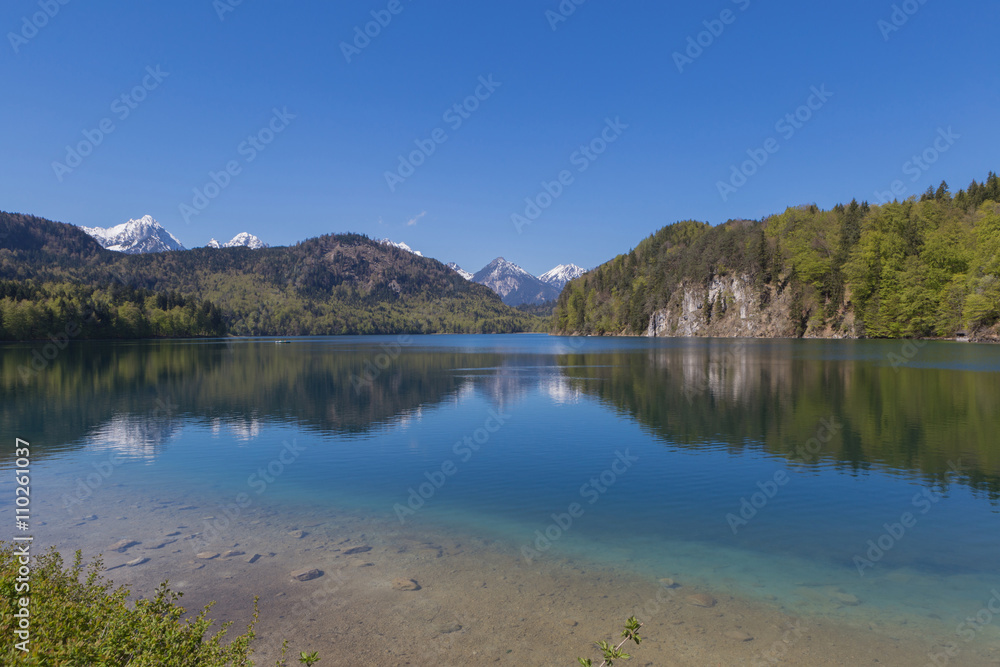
[478, 601]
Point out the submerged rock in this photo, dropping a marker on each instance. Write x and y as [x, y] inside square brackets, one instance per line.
[297, 534]
[701, 600]
[739, 635]
[401, 584]
[160, 545]
[306, 574]
[122, 546]
[137, 561]
[357, 550]
[207, 555]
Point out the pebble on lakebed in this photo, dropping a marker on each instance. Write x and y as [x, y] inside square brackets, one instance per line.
[701, 600]
[122, 546]
[357, 550]
[401, 584]
[306, 574]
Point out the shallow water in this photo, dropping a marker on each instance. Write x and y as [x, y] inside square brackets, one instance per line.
[848, 486]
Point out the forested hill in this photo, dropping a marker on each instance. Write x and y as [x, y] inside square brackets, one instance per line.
[53, 275]
[918, 268]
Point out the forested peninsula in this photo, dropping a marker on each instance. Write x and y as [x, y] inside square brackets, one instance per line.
[920, 268]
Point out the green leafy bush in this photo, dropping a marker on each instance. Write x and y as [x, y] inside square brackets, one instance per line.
[79, 618]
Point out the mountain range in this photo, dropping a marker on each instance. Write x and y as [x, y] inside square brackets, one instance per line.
[514, 285]
[147, 235]
[52, 272]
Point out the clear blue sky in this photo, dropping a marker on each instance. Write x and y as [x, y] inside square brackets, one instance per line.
[325, 170]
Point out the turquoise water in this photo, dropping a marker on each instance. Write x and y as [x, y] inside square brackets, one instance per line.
[768, 467]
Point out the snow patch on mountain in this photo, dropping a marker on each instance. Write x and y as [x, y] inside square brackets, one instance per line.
[401, 246]
[247, 240]
[135, 236]
[562, 274]
[243, 239]
[459, 270]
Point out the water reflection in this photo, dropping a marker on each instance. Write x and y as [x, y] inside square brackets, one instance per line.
[918, 419]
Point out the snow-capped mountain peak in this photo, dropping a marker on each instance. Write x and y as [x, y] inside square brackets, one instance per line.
[243, 239]
[459, 270]
[501, 266]
[562, 274]
[401, 246]
[135, 236]
[514, 285]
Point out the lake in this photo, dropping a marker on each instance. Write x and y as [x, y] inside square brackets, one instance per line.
[830, 501]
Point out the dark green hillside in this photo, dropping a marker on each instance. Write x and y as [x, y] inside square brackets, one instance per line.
[918, 268]
[53, 274]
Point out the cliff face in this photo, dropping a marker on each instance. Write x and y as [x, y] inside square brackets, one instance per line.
[732, 307]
